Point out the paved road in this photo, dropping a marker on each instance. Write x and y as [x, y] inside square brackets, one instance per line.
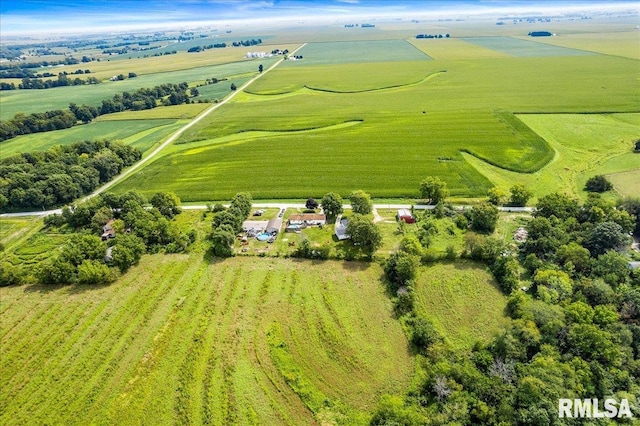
[276, 205]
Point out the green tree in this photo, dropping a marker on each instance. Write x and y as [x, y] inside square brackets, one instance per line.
[400, 268]
[483, 218]
[231, 217]
[598, 183]
[94, 272]
[242, 201]
[260, 68]
[223, 239]
[519, 195]
[360, 202]
[553, 286]
[364, 234]
[127, 252]
[167, 203]
[332, 204]
[311, 204]
[558, 205]
[606, 236]
[497, 196]
[433, 190]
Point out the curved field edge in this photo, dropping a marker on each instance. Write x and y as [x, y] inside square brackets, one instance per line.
[584, 145]
[181, 340]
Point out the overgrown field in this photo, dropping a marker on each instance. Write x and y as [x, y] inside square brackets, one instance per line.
[181, 340]
[313, 129]
[463, 302]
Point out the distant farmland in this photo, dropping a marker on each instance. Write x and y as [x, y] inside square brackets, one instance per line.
[238, 342]
[313, 129]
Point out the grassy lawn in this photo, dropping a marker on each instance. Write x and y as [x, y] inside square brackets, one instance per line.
[179, 339]
[462, 300]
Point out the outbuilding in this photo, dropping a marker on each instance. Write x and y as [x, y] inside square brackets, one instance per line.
[406, 216]
[308, 219]
[274, 225]
[341, 229]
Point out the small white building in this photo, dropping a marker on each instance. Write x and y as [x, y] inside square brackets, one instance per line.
[308, 219]
[255, 226]
[341, 228]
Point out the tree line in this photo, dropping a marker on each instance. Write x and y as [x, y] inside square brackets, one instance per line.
[222, 45]
[41, 180]
[145, 98]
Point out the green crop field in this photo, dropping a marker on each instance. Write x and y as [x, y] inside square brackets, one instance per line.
[584, 144]
[381, 134]
[348, 52]
[463, 302]
[181, 340]
[454, 49]
[626, 183]
[142, 134]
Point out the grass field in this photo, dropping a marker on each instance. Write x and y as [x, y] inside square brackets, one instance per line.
[585, 145]
[182, 340]
[463, 302]
[626, 183]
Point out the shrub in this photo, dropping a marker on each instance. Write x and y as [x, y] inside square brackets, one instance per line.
[598, 183]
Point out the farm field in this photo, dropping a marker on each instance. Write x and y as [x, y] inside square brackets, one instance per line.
[455, 49]
[140, 133]
[585, 145]
[518, 47]
[182, 340]
[434, 113]
[341, 52]
[463, 302]
[15, 101]
[623, 43]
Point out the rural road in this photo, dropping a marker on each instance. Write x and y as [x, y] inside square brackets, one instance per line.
[296, 206]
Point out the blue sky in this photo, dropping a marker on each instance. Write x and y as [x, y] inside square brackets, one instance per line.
[37, 16]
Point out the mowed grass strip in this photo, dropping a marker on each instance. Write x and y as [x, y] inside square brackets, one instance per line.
[455, 49]
[626, 183]
[180, 340]
[463, 302]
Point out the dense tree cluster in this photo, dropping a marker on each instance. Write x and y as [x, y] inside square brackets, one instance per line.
[40, 180]
[145, 98]
[574, 329]
[86, 258]
[61, 81]
[228, 222]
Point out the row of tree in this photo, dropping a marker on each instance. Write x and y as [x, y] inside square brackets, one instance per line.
[145, 98]
[41, 180]
[228, 222]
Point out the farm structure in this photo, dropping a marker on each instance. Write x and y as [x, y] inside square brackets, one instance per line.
[108, 231]
[254, 226]
[405, 216]
[274, 225]
[341, 229]
[308, 219]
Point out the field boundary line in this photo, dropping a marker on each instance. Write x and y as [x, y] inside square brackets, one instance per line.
[179, 132]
